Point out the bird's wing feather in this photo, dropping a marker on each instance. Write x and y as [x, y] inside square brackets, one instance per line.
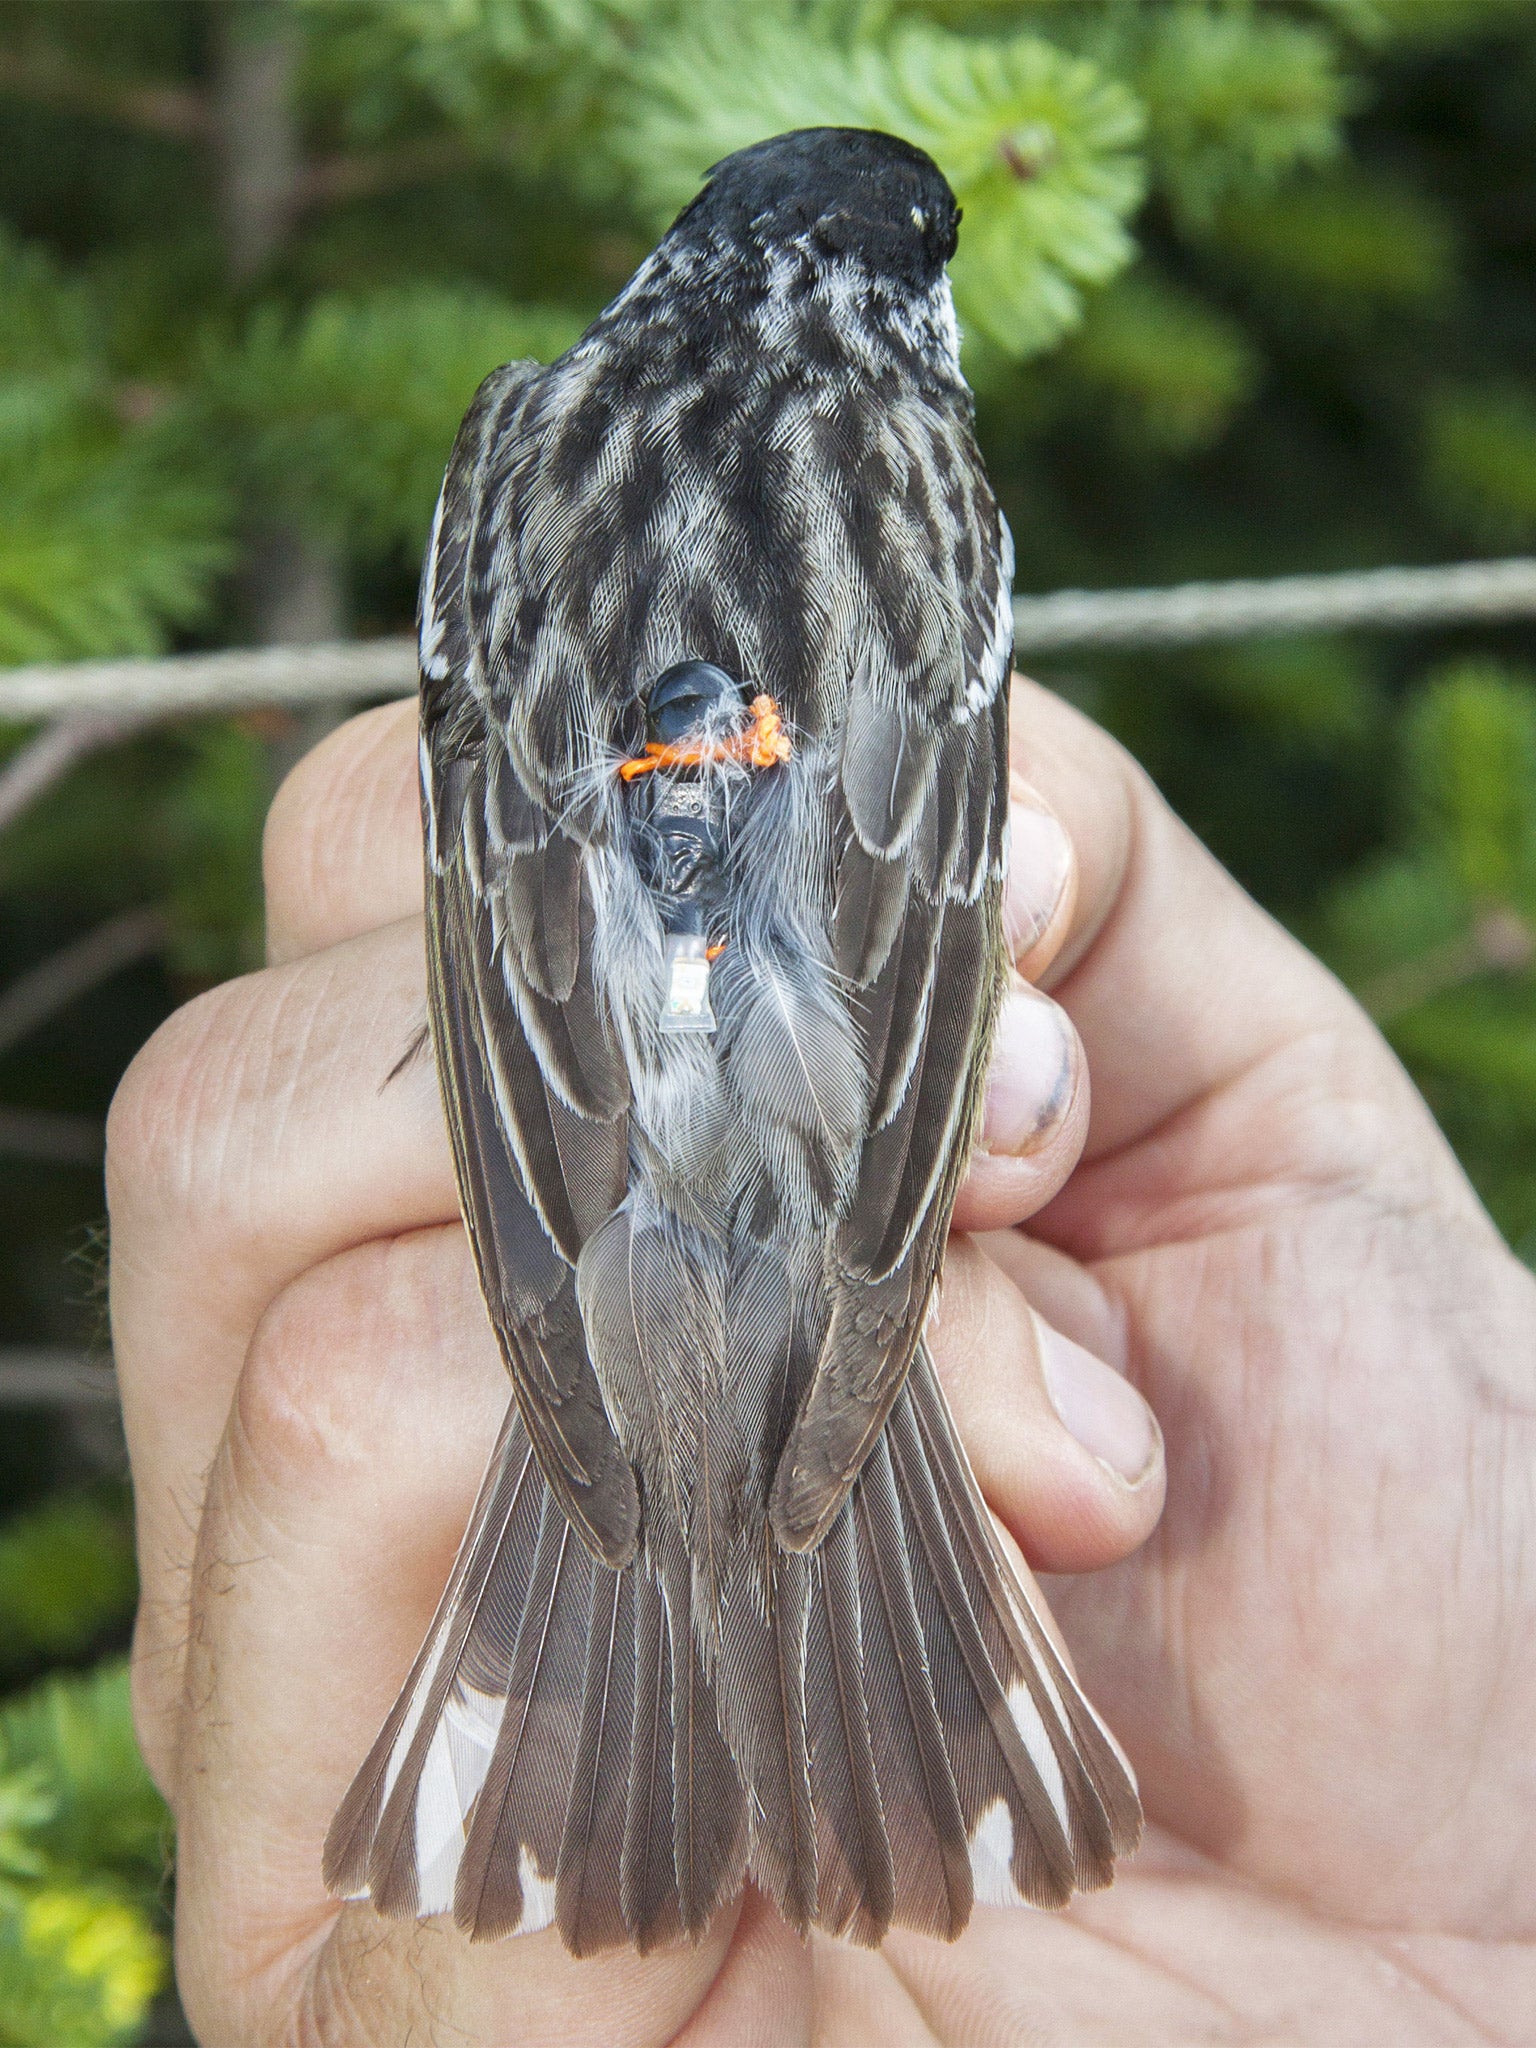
[535, 1078]
[920, 805]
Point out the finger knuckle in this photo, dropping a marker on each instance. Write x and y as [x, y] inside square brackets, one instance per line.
[314, 1373]
[326, 805]
[371, 1981]
[171, 1115]
[296, 1403]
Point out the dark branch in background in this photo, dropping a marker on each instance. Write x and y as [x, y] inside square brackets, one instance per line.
[1500, 941]
[50, 754]
[360, 174]
[251, 67]
[154, 108]
[254, 133]
[293, 580]
[33, 1377]
[52, 1136]
[38, 995]
[54, 983]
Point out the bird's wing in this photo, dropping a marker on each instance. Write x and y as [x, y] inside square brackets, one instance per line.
[535, 1079]
[921, 805]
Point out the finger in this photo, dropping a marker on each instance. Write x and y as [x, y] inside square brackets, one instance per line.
[763, 1995]
[342, 849]
[250, 1139]
[1175, 979]
[1040, 882]
[1066, 1451]
[315, 1581]
[1035, 1115]
[1066, 1294]
[861, 2001]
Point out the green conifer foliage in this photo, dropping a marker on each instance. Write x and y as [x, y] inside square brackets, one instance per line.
[83, 1846]
[104, 545]
[1237, 98]
[1041, 146]
[1248, 287]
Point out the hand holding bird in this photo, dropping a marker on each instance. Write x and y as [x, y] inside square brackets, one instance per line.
[1266, 1231]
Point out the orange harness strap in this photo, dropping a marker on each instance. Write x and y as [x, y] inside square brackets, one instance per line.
[763, 744]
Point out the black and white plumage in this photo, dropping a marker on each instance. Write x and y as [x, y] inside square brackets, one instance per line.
[730, 1602]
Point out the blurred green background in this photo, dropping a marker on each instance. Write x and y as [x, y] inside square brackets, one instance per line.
[1247, 289]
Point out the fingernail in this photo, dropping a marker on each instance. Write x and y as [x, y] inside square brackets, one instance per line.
[1039, 863]
[1103, 1411]
[1034, 1073]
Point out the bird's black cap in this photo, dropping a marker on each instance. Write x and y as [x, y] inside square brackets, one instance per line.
[850, 190]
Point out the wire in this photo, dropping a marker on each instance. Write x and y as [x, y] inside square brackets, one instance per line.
[241, 678]
[1378, 599]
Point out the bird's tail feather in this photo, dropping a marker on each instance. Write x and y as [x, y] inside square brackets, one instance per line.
[901, 1736]
[544, 1763]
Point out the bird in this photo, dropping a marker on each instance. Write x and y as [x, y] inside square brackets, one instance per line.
[715, 637]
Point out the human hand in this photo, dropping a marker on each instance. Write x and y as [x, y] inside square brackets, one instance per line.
[310, 1386]
[1324, 1661]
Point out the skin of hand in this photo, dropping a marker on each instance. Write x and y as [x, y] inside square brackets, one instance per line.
[1322, 1658]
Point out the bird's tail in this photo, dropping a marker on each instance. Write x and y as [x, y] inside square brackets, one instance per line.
[887, 1736]
[555, 1753]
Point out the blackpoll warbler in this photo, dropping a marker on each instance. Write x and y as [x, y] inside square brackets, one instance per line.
[715, 642]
